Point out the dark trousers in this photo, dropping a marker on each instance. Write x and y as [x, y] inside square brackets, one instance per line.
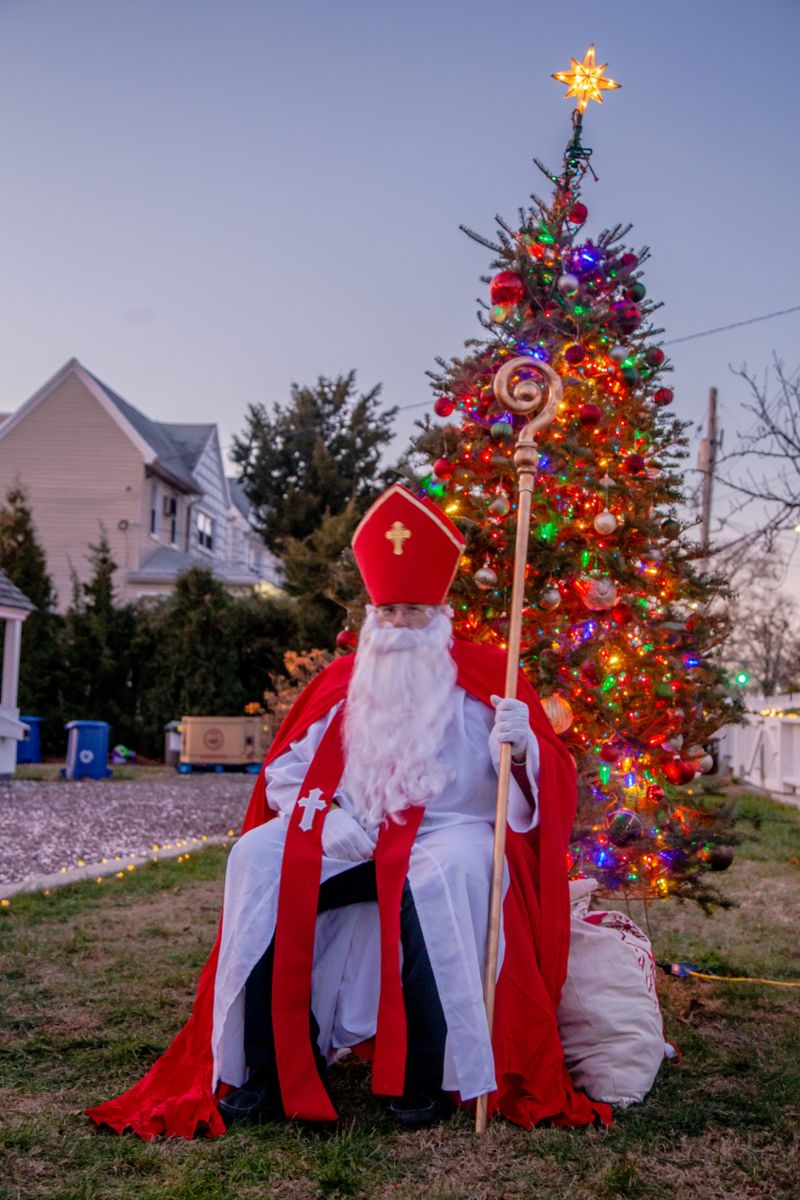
[427, 1028]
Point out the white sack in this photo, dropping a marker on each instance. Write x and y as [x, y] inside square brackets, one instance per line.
[609, 1016]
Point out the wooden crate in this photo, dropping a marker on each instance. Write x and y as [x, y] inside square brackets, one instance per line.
[224, 741]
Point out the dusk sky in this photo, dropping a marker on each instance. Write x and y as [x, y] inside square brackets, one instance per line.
[204, 201]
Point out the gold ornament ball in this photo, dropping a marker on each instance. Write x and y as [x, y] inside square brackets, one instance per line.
[558, 712]
[550, 599]
[605, 522]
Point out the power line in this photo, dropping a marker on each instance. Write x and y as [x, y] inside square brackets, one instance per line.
[689, 337]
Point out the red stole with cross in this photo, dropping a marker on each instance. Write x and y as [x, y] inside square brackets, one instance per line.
[175, 1096]
[302, 1091]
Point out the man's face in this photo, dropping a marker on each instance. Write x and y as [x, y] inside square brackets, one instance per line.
[404, 616]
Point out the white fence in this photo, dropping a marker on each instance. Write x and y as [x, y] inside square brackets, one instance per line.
[766, 751]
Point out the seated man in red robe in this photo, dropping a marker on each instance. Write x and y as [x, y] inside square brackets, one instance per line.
[357, 915]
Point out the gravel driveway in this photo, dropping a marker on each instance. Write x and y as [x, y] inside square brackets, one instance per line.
[47, 826]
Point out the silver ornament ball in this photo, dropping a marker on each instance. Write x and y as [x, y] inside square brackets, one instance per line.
[598, 594]
[617, 354]
[605, 522]
[568, 285]
[500, 505]
[485, 578]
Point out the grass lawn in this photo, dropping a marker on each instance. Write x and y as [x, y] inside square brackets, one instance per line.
[98, 977]
[50, 772]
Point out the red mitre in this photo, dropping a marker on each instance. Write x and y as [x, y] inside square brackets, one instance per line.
[407, 550]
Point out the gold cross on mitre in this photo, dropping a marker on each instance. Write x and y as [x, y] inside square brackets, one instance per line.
[397, 535]
[586, 81]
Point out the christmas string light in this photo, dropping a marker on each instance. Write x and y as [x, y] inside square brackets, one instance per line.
[120, 866]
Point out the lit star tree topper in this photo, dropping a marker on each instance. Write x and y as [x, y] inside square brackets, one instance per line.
[585, 80]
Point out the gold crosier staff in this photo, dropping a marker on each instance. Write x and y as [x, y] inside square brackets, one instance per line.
[539, 401]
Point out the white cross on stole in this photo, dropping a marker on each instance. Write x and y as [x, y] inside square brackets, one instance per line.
[311, 805]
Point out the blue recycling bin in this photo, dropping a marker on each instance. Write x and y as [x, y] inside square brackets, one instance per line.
[87, 750]
[30, 751]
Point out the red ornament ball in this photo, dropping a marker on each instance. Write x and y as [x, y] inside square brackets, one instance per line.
[628, 262]
[662, 396]
[346, 639]
[719, 858]
[574, 354]
[443, 468]
[622, 615]
[627, 315]
[443, 406]
[578, 213]
[589, 415]
[679, 771]
[610, 754]
[589, 673]
[655, 356]
[507, 288]
[634, 464]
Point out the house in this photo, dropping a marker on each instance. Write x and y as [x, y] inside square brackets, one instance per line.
[87, 458]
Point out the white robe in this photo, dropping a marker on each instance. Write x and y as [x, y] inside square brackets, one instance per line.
[449, 875]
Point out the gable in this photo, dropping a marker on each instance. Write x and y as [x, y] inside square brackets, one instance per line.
[66, 418]
[55, 387]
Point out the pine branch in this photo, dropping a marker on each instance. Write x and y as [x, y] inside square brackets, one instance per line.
[547, 173]
[482, 241]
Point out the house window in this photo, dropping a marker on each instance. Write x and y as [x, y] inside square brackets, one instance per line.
[171, 514]
[205, 531]
[154, 511]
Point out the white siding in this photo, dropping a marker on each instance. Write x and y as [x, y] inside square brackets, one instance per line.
[215, 501]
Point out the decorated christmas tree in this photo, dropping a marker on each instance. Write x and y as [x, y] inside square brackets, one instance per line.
[618, 630]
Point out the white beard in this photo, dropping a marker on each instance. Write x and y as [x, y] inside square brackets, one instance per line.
[398, 707]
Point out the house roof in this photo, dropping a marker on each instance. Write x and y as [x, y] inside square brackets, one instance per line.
[165, 564]
[191, 440]
[171, 454]
[12, 597]
[238, 496]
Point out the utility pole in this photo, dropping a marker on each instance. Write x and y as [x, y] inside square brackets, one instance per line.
[707, 463]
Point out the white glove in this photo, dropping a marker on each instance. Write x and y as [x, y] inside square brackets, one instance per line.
[511, 724]
[343, 838]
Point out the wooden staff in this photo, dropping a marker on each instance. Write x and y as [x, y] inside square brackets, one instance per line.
[539, 401]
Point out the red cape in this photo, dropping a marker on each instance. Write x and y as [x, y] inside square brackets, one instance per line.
[175, 1098]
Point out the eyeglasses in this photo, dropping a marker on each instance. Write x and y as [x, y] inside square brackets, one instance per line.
[416, 615]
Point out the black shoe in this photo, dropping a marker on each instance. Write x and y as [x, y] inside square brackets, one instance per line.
[416, 1110]
[255, 1102]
